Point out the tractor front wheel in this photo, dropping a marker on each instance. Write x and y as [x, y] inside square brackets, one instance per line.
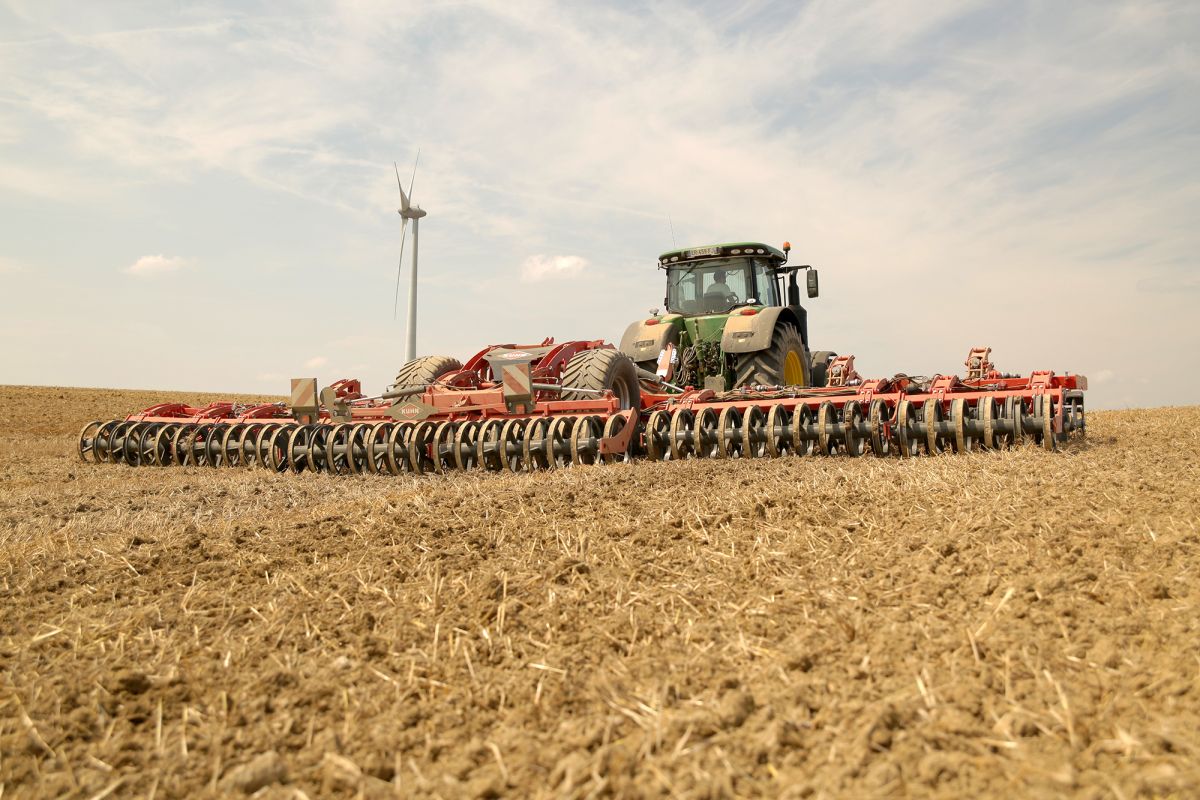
[784, 363]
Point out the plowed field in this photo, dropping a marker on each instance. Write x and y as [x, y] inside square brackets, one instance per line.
[1017, 623]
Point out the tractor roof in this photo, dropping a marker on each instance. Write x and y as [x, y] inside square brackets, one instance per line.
[727, 250]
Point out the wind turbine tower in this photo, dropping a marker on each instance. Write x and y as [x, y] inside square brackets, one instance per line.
[408, 211]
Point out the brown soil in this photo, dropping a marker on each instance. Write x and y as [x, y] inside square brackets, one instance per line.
[996, 623]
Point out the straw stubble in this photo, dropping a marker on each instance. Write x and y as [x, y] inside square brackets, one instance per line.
[948, 626]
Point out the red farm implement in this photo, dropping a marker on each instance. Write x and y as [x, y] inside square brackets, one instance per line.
[521, 408]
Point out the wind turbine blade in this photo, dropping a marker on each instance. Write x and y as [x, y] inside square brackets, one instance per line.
[400, 186]
[399, 268]
[413, 179]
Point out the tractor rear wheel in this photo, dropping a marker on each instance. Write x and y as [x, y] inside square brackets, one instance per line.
[421, 372]
[784, 363]
[597, 370]
[821, 360]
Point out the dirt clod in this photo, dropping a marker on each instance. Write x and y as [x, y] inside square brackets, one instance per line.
[264, 770]
[736, 706]
[133, 682]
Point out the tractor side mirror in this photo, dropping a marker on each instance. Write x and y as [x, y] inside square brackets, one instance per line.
[813, 289]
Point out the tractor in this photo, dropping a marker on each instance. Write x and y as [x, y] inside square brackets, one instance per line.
[725, 372]
[726, 324]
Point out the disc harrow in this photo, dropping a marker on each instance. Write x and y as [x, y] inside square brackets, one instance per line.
[500, 419]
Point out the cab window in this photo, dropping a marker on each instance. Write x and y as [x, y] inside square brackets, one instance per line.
[765, 285]
[709, 287]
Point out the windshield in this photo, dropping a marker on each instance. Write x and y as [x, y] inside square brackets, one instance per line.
[710, 287]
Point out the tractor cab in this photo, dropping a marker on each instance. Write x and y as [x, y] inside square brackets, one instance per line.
[721, 278]
[718, 279]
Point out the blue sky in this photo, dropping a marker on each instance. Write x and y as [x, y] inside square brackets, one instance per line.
[200, 196]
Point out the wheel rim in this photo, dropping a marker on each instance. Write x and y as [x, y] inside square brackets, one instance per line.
[443, 446]
[278, 437]
[827, 419]
[396, 453]
[513, 456]
[729, 432]
[933, 416]
[86, 443]
[129, 446]
[377, 437]
[533, 443]
[297, 460]
[708, 441]
[558, 442]
[793, 369]
[906, 437]
[779, 438]
[145, 449]
[881, 443]
[852, 416]
[102, 442]
[488, 445]
[585, 441]
[754, 429]
[658, 433]
[212, 445]
[116, 443]
[683, 440]
[803, 440]
[179, 442]
[337, 440]
[465, 445]
[623, 393]
[164, 452]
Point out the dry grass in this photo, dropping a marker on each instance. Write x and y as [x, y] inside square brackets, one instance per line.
[994, 623]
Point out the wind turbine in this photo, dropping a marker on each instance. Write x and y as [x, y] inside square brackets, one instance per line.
[407, 212]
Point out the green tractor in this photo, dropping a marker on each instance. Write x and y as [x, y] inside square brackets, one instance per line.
[726, 324]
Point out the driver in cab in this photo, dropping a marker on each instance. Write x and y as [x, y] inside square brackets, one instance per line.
[718, 294]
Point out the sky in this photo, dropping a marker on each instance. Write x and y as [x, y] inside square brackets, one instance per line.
[201, 196]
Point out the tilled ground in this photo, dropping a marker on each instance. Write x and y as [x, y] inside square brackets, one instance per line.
[1020, 622]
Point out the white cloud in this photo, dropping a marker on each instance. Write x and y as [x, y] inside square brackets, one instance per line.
[316, 361]
[10, 267]
[541, 267]
[155, 265]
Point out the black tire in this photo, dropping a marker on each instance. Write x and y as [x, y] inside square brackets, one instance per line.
[598, 370]
[765, 367]
[820, 366]
[423, 371]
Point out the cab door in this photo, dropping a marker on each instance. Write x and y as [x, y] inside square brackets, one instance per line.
[766, 287]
